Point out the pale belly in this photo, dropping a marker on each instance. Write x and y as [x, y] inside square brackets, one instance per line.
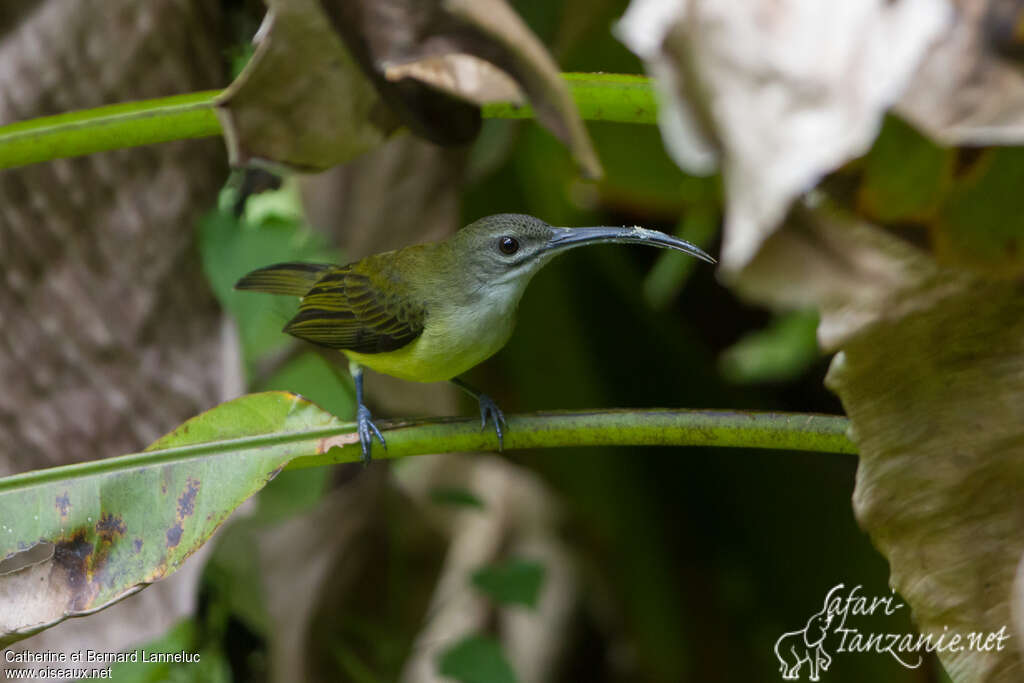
[447, 348]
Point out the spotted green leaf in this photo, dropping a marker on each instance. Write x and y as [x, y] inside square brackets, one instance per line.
[77, 538]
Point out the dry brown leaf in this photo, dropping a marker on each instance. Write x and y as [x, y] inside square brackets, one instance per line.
[465, 76]
[301, 101]
[515, 49]
[931, 373]
[331, 80]
[935, 398]
[416, 51]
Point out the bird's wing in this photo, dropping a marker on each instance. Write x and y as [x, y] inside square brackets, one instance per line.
[348, 310]
[295, 278]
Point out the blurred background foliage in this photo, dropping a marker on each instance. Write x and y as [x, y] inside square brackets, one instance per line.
[690, 562]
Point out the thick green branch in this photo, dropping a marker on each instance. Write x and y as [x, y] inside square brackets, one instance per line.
[131, 124]
[600, 97]
[619, 98]
[651, 427]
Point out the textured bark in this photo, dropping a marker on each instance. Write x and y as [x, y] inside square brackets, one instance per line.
[108, 333]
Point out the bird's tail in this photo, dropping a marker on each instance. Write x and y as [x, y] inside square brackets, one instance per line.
[294, 279]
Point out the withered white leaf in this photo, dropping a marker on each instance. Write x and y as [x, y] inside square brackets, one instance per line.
[779, 93]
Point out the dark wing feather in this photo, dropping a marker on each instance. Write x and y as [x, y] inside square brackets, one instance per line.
[295, 279]
[347, 310]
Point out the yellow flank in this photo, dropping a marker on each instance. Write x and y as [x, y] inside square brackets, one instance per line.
[453, 341]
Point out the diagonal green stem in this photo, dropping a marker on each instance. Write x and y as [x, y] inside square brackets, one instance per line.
[130, 124]
[650, 427]
[600, 97]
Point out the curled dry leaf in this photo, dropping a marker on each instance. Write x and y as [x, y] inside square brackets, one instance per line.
[466, 76]
[508, 42]
[331, 80]
[301, 101]
[777, 93]
[931, 373]
[476, 50]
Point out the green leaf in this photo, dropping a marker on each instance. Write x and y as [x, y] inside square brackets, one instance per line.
[905, 174]
[212, 666]
[273, 231]
[476, 659]
[513, 582]
[77, 538]
[780, 352]
[981, 224]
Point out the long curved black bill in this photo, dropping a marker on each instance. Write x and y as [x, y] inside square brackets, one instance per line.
[567, 238]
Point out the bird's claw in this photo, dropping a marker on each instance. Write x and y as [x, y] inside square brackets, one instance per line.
[489, 410]
[367, 430]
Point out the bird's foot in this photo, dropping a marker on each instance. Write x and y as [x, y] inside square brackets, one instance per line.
[367, 430]
[489, 410]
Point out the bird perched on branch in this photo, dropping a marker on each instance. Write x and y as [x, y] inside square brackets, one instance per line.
[430, 312]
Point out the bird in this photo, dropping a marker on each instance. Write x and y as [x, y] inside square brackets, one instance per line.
[430, 312]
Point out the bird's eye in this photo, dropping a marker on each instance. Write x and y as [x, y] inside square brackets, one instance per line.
[508, 245]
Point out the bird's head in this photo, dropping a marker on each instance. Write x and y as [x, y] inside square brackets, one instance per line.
[509, 248]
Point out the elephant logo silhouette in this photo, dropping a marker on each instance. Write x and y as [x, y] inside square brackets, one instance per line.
[806, 646]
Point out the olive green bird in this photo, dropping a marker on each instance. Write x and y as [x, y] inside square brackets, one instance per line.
[430, 312]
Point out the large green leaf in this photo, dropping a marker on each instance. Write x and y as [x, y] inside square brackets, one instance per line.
[77, 538]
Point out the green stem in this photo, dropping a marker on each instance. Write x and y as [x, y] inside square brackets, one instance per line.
[650, 427]
[130, 124]
[600, 97]
[619, 98]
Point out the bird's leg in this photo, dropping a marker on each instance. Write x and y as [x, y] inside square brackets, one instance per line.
[489, 410]
[367, 430]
